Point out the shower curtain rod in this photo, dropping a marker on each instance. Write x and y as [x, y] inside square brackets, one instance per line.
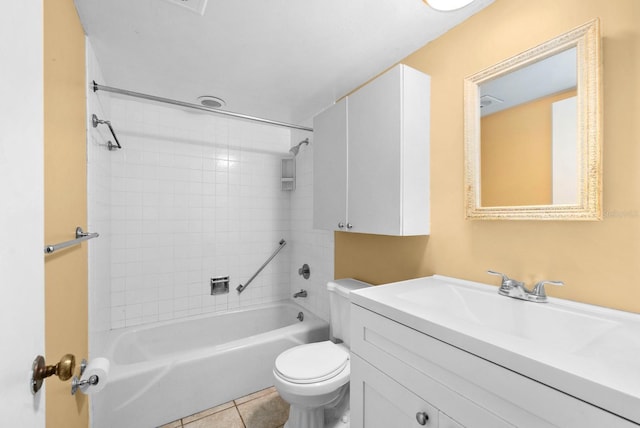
[96, 87]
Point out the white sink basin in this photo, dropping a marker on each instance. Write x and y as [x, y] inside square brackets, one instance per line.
[549, 325]
[589, 352]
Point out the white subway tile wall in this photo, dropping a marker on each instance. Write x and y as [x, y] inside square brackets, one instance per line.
[192, 196]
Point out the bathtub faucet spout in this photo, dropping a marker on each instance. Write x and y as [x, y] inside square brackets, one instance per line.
[301, 293]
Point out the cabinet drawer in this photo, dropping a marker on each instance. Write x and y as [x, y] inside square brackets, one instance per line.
[460, 383]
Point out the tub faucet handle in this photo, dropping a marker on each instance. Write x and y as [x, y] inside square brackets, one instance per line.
[304, 271]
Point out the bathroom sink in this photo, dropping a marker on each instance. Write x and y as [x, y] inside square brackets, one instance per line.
[586, 351]
[542, 324]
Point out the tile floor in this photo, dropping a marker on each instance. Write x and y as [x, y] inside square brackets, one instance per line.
[262, 409]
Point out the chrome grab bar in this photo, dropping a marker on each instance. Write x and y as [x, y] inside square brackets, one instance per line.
[80, 236]
[95, 122]
[240, 288]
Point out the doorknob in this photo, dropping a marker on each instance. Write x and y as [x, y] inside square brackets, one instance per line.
[40, 371]
[422, 418]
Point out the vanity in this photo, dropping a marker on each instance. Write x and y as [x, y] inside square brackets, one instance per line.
[444, 352]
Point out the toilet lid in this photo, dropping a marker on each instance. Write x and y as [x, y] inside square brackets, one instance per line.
[312, 363]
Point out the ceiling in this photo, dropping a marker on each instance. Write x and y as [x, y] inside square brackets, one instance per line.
[284, 60]
[552, 75]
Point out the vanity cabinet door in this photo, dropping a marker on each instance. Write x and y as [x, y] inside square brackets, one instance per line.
[330, 168]
[445, 421]
[377, 401]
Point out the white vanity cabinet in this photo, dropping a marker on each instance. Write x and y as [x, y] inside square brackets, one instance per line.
[398, 372]
[384, 403]
[371, 158]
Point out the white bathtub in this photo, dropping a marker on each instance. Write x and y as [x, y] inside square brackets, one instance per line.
[162, 372]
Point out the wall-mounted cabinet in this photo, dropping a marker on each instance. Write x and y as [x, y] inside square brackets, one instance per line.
[371, 158]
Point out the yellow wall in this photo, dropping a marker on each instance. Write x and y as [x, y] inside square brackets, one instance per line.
[516, 154]
[65, 205]
[599, 261]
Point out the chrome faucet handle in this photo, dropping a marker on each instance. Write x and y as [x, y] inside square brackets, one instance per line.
[510, 287]
[538, 293]
[505, 278]
[506, 281]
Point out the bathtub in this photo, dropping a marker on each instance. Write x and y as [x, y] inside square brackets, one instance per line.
[165, 371]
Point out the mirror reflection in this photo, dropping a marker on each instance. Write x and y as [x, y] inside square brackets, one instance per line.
[533, 147]
[528, 134]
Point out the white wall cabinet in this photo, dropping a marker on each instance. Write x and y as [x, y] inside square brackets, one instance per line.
[398, 372]
[330, 168]
[371, 158]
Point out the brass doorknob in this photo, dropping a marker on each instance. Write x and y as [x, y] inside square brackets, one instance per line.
[40, 371]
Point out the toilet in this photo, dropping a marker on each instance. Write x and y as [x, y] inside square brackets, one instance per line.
[314, 378]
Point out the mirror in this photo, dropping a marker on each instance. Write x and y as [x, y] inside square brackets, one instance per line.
[532, 133]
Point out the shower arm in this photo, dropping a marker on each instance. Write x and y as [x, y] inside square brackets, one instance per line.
[295, 149]
[240, 288]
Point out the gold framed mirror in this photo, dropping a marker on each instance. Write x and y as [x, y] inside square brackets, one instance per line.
[532, 129]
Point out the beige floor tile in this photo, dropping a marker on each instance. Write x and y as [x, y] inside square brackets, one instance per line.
[174, 424]
[267, 411]
[207, 412]
[228, 418]
[255, 395]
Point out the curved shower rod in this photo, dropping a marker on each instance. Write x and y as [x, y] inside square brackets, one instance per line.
[96, 87]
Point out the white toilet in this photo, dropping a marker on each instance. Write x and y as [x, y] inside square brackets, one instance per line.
[314, 378]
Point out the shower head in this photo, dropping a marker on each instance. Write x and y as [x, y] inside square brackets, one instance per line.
[295, 149]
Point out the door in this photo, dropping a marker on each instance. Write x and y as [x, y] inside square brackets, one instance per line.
[330, 168]
[21, 211]
[374, 160]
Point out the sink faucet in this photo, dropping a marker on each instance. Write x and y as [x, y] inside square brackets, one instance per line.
[518, 290]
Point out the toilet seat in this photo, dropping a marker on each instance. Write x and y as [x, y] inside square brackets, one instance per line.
[312, 363]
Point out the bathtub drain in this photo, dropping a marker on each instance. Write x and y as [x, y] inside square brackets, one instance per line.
[300, 316]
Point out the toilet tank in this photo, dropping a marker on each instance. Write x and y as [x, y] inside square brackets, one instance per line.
[340, 307]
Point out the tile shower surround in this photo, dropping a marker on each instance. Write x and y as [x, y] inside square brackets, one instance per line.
[187, 205]
[191, 196]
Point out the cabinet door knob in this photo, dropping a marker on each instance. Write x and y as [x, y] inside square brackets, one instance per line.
[349, 225]
[422, 418]
[340, 225]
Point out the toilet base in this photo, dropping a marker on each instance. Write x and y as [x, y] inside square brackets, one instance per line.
[305, 418]
[333, 415]
[339, 416]
[329, 419]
